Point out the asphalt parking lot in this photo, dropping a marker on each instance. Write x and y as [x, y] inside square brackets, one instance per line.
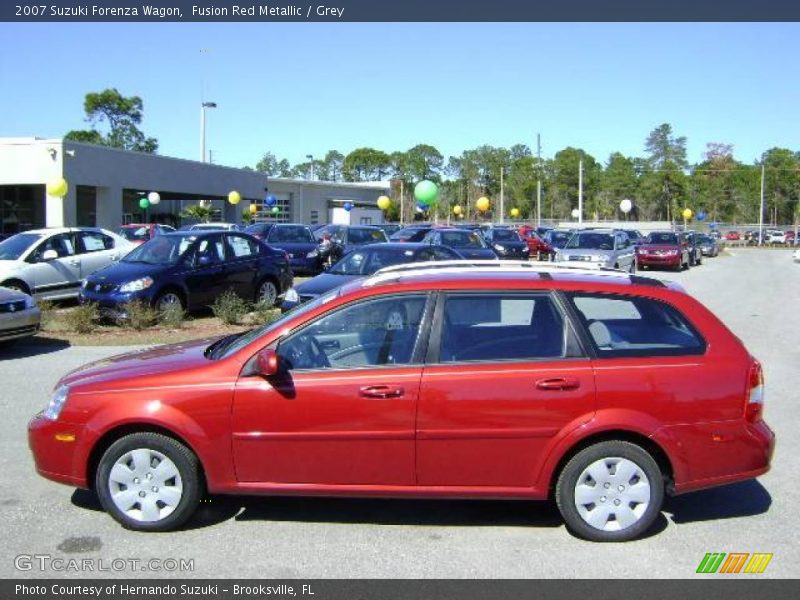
[755, 292]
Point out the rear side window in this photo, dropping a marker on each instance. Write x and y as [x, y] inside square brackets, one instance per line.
[630, 326]
[491, 327]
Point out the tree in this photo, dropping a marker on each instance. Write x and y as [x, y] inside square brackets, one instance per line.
[199, 212]
[564, 187]
[423, 161]
[666, 158]
[272, 167]
[121, 115]
[330, 167]
[781, 185]
[618, 181]
[366, 164]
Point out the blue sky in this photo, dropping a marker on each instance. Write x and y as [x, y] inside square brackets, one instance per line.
[298, 89]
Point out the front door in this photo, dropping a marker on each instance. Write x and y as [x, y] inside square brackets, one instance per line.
[342, 411]
[58, 277]
[507, 377]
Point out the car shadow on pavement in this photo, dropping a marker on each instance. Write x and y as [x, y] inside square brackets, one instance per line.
[32, 347]
[743, 499]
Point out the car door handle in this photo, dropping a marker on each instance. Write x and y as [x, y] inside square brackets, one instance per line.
[114, 256]
[559, 384]
[75, 262]
[381, 391]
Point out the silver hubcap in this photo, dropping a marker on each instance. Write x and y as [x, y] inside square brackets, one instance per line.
[145, 485]
[169, 299]
[267, 293]
[612, 494]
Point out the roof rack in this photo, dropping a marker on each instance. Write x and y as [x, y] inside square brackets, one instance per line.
[506, 266]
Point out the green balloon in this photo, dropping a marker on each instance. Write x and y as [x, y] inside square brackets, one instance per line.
[275, 210]
[144, 203]
[426, 192]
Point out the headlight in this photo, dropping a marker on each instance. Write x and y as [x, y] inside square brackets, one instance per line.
[137, 285]
[499, 248]
[56, 403]
[291, 295]
[313, 253]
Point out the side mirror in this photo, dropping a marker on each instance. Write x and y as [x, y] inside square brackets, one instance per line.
[267, 363]
[49, 255]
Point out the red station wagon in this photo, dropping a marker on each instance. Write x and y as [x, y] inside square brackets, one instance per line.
[600, 390]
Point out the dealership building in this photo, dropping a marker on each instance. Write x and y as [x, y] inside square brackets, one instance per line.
[106, 186]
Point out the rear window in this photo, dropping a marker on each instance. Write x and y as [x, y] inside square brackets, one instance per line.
[297, 234]
[365, 236]
[662, 238]
[629, 326]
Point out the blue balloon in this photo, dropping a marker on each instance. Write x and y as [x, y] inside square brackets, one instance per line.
[422, 207]
[348, 206]
[701, 216]
[271, 200]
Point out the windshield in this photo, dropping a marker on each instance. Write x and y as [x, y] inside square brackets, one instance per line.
[256, 228]
[462, 239]
[558, 239]
[505, 235]
[240, 342]
[591, 241]
[135, 234]
[297, 234]
[16, 245]
[662, 238]
[161, 250]
[407, 233]
[365, 236]
[367, 261]
[633, 235]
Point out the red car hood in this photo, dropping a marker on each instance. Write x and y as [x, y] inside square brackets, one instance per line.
[658, 247]
[142, 365]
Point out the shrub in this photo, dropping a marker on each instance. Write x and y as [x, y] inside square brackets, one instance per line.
[264, 313]
[229, 308]
[172, 316]
[82, 319]
[48, 310]
[139, 315]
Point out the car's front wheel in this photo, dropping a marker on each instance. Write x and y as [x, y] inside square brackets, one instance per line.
[610, 492]
[267, 293]
[169, 299]
[149, 482]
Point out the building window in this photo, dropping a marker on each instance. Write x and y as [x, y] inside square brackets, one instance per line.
[314, 217]
[21, 208]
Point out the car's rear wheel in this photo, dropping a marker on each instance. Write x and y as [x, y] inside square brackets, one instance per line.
[149, 482]
[610, 492]
[168, 299]
[267, 293]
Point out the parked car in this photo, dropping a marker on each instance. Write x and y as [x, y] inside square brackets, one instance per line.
[604, 392]
[599, 247]
[411, 233]
[296, 240]
[336, 240]
[19, 316]
[214, 227]
[708, 245]
[663, 249]
[775, 236]
[790, 237]
[50, 264]
[389, 228]
[556, 239]
[796, 255]
[467, 243]
[733, 236]
[190, 270]
[363, 261]
[507, 243]
[537, 247]
[634, 236]
[138, 233]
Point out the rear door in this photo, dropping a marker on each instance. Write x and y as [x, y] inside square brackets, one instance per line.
[505, 374]
[241, 264]
[96, 251]
[205, 278]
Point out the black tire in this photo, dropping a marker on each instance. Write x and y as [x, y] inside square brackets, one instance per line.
[188, 468]
[161, 301]
[261, 292]
[614, 449]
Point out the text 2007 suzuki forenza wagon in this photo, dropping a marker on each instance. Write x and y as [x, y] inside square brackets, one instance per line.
[600, 390]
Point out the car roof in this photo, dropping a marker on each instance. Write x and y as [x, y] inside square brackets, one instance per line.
[57, 230]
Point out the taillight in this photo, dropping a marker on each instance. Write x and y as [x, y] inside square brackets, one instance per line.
[755, 393]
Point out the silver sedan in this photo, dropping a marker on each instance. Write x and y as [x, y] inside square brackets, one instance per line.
[19, 315]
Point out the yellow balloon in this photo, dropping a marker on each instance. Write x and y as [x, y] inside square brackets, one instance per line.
[515, 212]
[687, 213]
[384, 202]
[457, 210]
[234, 197]
[58, 187]
[482, 204]
[253, 209]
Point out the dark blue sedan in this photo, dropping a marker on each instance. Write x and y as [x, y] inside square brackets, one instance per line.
[364, 261]
[190, 269]
[467, 243]
[296, 240]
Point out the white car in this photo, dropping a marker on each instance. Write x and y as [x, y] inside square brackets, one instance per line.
[796, 256]
[49, 264]
[775, 236]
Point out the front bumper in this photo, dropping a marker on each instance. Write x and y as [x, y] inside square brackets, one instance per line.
[55, 459]
[23, 323]
[658, 260]
[111, 304]
[302, 265]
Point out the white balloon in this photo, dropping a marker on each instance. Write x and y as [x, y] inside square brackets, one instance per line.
[626, 206]
[575, 213]
[154, 198]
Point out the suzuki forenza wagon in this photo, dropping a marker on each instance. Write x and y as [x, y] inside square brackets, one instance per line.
[600, 390]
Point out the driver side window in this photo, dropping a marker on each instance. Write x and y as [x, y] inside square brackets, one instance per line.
[368, 334]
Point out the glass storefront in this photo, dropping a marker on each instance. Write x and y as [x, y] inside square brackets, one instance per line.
[21, 208]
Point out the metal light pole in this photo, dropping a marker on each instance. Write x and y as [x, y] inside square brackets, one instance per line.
[502, 196]
[538, 180]
[402, 202]
[203, 108]
[310, 157]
